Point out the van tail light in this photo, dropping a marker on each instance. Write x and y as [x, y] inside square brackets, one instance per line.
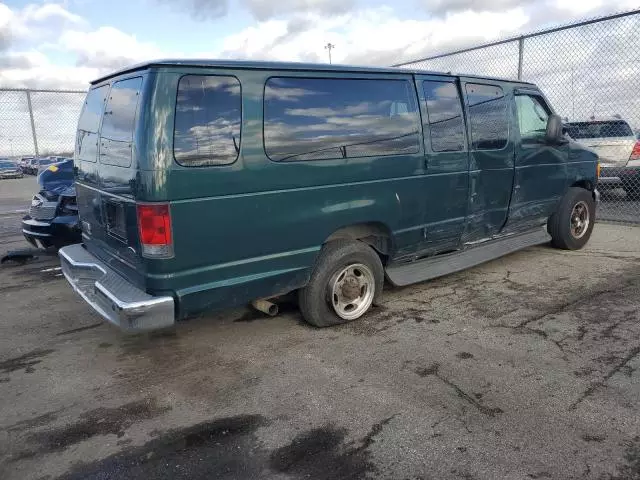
[154, 225]
[634, 158]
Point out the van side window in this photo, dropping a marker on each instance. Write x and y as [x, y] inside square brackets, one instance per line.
[208, 119]
[532, 116]
[120, 112]
[444, 116]
[487, 116]
[321, 119]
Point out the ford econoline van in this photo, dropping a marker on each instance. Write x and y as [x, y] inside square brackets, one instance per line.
[205, 185]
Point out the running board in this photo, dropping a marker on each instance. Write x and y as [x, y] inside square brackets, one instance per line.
[407, 273]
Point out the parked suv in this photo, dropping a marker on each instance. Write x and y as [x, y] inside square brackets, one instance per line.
[618, 149]
[206, 185]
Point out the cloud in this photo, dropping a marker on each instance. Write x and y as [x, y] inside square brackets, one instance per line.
[261, 9]
[20, 60]
[374, 36]
[265, 9]
[6, 19]
[106, 48]
[49, 12]
[200, 9]
[445, 7]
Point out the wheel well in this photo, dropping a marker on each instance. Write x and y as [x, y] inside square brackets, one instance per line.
[375, 234]
[586, 184]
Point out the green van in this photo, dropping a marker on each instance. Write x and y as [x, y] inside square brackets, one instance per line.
[204, 185]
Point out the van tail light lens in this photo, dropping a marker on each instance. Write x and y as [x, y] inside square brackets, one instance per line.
[634, 158]
[154, 225]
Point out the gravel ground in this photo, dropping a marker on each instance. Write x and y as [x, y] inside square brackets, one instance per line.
[526, 367]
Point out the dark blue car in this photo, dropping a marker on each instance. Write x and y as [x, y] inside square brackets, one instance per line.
[53, 213]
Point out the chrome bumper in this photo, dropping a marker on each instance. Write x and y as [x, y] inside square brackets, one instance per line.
[113, 297]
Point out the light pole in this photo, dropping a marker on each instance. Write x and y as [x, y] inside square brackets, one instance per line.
[11, 146]
[329, 46]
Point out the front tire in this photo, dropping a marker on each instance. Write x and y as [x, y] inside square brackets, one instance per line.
[346, 280]
[571, 225]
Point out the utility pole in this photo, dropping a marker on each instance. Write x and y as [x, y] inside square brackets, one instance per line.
[329, 46]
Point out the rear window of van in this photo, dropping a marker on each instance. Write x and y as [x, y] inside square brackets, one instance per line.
[208, 119]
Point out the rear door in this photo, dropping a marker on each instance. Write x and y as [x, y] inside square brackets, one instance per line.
[106, 179]
[491, 168]
[446, 190]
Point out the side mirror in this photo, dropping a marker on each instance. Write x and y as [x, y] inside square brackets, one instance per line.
[554, 133]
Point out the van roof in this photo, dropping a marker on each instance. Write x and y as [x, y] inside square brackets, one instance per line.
[263, 65]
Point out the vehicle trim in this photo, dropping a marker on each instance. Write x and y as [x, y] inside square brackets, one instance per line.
[113, 297]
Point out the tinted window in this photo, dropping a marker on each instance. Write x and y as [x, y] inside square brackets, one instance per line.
[446, 125]
[614, 128]
[532, 116]
[317, 119]
[487, 116]
[92, 111]
[120, 112]
[208, 117]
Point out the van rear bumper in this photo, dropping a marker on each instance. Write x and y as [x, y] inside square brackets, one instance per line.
[113, 297]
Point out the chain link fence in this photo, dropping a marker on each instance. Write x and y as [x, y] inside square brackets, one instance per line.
[38, 123]
[590, 71]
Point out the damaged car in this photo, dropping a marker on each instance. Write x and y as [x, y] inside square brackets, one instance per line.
[52, 221]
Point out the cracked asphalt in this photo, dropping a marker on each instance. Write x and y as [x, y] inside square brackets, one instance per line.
[526, 367]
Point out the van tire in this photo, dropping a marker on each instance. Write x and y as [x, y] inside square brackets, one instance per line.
[577, 203]
[342, 262]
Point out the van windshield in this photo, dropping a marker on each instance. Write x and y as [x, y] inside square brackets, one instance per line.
[604, 129]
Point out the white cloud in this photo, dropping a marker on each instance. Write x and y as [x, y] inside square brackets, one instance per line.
[443, 7]
[106, 48]
[6, 19]
[265, 9]
[261, 9]
[371, 36]
[49, 12]
[200, 9]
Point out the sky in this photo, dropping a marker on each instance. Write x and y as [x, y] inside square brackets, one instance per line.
[64, 44]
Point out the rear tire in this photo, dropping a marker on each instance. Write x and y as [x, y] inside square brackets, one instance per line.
[347, 279]
[571, 225]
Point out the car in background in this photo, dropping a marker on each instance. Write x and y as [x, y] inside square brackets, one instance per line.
[24, 162]
[9, 169]
[618, 149]
[31, 166]
[53, 214]
[44, 163]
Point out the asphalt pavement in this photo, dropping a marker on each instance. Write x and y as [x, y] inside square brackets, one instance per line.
[526, 367]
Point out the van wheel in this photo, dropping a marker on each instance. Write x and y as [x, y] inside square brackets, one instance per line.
[571, 225]
[346, 280]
